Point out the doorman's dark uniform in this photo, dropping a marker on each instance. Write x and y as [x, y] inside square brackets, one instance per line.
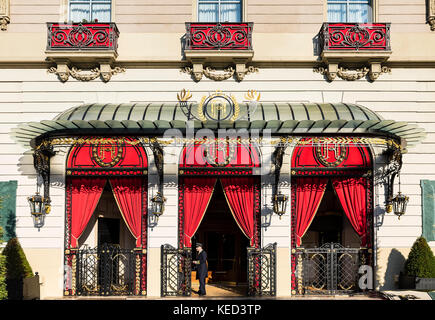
[201, 272]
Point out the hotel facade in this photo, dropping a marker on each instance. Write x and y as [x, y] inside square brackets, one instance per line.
[294, 139]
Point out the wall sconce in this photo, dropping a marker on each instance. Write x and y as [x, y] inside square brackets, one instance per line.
[158, 201]
[158, 205]
[39, 207]
[399, 203]
[279, 200]
[280, 204]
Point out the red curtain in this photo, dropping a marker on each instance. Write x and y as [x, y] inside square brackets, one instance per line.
[197, 193]
[239, 192]
[352, 193]
[309, 193]
[85, 194]
[128, 196]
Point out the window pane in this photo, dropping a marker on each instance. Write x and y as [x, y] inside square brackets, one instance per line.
[337, 12]
[101, 12]
[78, 12]
[208, 12]
[358, 13]
[231, 12]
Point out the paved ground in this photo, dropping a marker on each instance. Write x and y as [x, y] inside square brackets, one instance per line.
[217, 292]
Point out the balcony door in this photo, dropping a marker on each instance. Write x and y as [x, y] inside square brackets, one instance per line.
[90, 10]
[359, 11]
[220, 10]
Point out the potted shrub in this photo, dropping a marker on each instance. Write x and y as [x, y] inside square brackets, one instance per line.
[17, 268]
[419, 267]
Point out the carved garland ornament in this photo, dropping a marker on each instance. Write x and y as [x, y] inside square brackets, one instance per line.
[88, 75]
[4, 14]
[351, 75]
[431, 14]
[219, 75]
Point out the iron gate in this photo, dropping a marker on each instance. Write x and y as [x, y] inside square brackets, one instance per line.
[176, 270]
[106, 270]
[329, 269]
[262, 271]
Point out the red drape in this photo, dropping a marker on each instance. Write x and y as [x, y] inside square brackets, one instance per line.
[352, 193]
[309, 193]
[239, 192]
[197, 194]
[128, 195]
[85, 194]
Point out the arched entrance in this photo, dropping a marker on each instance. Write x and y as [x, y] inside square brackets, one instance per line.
[332, 232]
[105, 233]
[219, 206]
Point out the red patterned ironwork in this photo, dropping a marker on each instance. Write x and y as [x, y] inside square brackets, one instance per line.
[86, 36]
[219, 36]
[355, 36]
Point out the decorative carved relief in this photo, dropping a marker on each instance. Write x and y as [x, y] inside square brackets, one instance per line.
[105, 71]
[333, 70]
[431, 14]
[4, 14]
[197, 71]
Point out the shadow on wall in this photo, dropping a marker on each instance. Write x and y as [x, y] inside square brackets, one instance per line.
[395, 265]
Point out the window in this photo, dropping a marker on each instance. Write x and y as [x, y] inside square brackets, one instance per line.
[219, 10]
[90, 10]
[350, 11]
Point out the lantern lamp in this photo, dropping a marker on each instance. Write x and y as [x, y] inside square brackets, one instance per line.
[39, 207]
[399, 203]
[158, 204]
[280, 204]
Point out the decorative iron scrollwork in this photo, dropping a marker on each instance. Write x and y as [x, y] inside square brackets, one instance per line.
[328, 269]
[262, 270]
[176, 269]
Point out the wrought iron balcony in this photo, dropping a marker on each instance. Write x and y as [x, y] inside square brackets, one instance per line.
[355, 37]
[82, 36]
[218, 36]
[353, 50]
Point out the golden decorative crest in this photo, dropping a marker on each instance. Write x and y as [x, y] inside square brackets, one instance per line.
[218, 107]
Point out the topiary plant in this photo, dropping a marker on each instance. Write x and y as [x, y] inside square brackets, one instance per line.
[17, 265]
[421, 260]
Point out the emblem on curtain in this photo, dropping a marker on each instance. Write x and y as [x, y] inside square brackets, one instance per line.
[219, 153]
[330, 154]
[108, 154]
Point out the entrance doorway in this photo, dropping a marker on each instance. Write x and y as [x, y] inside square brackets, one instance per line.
[106, 225]
[224, 242]
[330, 224]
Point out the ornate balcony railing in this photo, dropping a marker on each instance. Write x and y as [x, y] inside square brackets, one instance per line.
[355, 36]
[86, 36]
[218, 36]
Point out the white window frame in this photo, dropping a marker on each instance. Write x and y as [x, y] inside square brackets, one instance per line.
[90, 2]
[218, 2]
[371, 4]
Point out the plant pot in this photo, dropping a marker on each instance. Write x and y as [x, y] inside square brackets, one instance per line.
[424, 283]
[406, 282]
[15, 289]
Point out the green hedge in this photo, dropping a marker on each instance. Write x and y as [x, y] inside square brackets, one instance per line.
[421, 260]
[16, 262]
[3, 290]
